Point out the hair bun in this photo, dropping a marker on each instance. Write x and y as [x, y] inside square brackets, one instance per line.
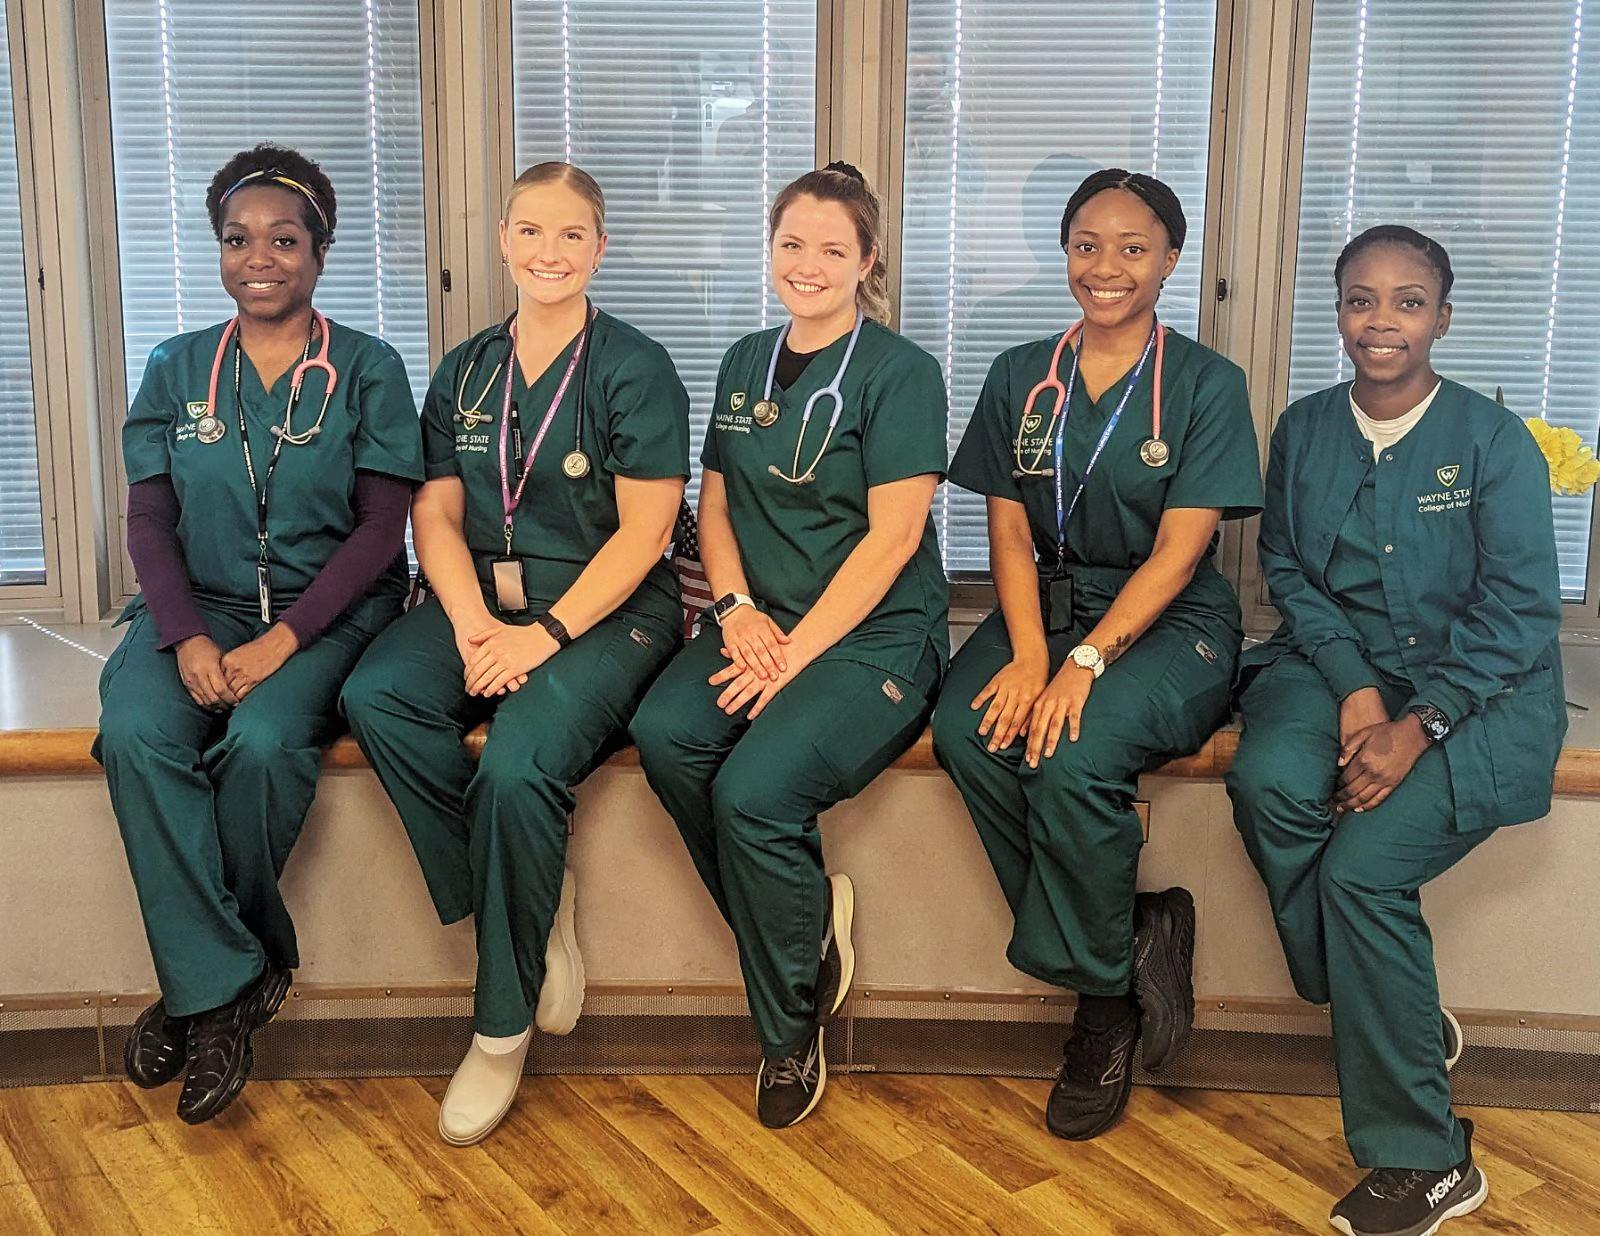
[846, 169]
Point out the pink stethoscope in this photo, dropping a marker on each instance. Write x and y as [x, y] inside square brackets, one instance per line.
[284, 432]
[1154, 450]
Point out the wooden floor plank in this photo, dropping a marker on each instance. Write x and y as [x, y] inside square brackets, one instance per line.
[684, 1156]
[20, 1211]
[721, 1109]
[584, 1174]
[463, 1189]
[47, 1131]
[995, 1129]
[716, 1180]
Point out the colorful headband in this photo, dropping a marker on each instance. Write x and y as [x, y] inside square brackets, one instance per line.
[273, 174]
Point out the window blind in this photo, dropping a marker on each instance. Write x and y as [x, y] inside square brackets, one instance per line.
[1009, 104]
[21, 517]
[195, 81]
[691, 117]
[1481, 129]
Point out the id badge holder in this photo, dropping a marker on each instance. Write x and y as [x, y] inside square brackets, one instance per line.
[264, 591]
[1055, 597]
[510, 590]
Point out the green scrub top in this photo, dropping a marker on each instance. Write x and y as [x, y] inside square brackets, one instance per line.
[1356, 582]
[371, 424]
[635, 424]
[1205, 421]
[794, 538]
[1464, 548]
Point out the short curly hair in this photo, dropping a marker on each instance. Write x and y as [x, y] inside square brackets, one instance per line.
[268, 158]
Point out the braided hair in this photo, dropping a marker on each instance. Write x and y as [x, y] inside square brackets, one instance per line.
[1156, 194]
[1430, 250]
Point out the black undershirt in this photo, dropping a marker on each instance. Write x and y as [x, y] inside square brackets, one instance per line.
[791, 365]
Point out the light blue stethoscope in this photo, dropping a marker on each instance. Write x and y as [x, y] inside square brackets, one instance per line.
[765, 413]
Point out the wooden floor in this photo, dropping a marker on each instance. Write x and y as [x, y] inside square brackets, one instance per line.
[669, 1155]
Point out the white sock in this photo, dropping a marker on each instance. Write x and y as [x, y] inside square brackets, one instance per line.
[500, 1046]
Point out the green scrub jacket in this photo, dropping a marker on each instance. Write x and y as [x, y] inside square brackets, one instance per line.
[1431, 575]
[491, 838]
[745, 795]
[1064, 838]
[209, 806]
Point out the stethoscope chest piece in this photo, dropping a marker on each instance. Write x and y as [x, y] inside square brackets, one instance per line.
[575, 465]
[1155, 452]
[210, 429]
[765, 413]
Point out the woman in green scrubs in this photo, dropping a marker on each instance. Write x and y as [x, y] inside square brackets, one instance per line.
[1410, 702]
[557, 447]
[1108, 455]
[269, 460]
[826, 443]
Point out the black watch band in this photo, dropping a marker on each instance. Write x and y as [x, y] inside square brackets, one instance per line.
[1435, 725]
[556, 628]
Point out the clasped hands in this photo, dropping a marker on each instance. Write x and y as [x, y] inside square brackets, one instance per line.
[1375, 753]
[762, 660]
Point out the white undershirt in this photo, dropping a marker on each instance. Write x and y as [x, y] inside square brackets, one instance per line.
[1384, 434]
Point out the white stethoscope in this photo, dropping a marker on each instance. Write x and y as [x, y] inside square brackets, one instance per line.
[765, 413]
[210, 428]
[1153, 450]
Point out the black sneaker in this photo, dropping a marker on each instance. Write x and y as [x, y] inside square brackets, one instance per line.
[838, 967]
[156, 1045]
[219, 1059]
[1453, 1040]
[787, 1090]
[1092, 1088]
[1397, 1201]
[1163, 972]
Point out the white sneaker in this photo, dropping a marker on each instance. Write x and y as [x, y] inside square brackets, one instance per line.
[561, 995]
[1454, 1041]
[481, 1092]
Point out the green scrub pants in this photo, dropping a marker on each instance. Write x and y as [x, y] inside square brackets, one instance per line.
[1064, 838]
[210, 805]
[1344, 894]
[746, 796]
[491, 837]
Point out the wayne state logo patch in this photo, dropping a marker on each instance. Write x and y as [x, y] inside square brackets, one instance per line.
[736, 400]
[1031, 423]
[198, 410]
[1447, 474]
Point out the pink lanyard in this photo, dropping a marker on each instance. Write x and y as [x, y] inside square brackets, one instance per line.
[510, 499]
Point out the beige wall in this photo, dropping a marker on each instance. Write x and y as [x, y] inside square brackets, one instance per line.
[1513, 923]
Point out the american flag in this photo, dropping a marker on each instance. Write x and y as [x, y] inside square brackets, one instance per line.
[693, 587]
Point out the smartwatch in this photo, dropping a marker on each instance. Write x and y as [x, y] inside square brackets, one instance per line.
[1087, 656]
[728, 604]
[1435, 725]
[556, 629]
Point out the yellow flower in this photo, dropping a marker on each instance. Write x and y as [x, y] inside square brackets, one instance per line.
[1573, 466]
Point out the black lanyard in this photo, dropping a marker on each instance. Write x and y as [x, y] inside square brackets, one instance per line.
[259, 490]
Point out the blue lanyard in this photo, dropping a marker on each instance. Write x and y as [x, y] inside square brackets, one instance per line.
[1063, 514]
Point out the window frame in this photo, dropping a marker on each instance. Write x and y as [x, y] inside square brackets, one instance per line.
[43, 285]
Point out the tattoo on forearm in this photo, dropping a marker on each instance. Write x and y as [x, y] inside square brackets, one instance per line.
[1114, 649]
